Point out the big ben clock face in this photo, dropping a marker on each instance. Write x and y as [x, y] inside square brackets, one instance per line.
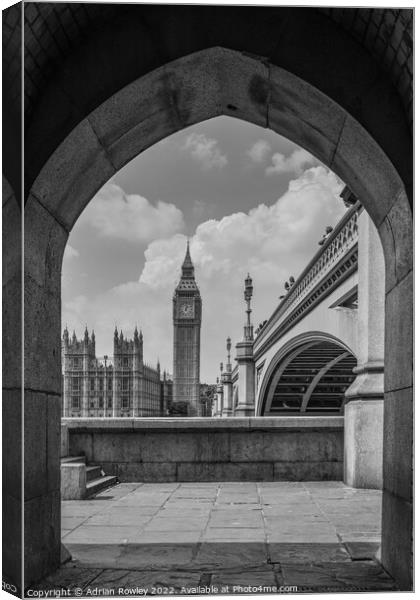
[186, 310]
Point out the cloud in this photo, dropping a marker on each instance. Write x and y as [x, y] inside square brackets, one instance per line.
[271, 242]
[70, 252]
[259, 151]
[266, 235]
[205, 150]
[294, 163]
[115, 214]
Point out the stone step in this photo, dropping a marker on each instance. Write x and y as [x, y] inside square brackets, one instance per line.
[74, 459]
[96, 485]
[93, 472]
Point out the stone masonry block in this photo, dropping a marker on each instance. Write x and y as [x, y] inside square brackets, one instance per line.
[73, 481]
[398, 446]
[396, 233]
[226, 471]
[45, 240]
[11, 240]
[247, 446]
[308, 471]
[42, 531]
[397, 539]
[42, 339]
[35, 435]
[12, 537]
[120, 447]
[361, 163]
[64, 440]
[12, 333]
[170, 447]
[78, 169]
[12, 442]
[305, 115]
[295, 447]
[399, 335]
[53, 441]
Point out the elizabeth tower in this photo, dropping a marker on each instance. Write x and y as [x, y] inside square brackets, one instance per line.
[187, 324]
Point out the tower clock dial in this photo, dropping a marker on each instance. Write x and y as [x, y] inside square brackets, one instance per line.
[186, 310]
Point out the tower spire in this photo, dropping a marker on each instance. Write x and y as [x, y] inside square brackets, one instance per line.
[187, 265]
[187, 280]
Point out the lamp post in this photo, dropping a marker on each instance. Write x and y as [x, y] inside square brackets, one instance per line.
[245, 360]
[248, 329]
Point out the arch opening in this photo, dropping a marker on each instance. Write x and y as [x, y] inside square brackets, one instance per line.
[138, 116]
[310, 380]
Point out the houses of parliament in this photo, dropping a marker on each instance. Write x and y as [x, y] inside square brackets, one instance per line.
[124, 385]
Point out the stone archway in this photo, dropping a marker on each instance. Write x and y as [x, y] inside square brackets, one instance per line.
[191, 89]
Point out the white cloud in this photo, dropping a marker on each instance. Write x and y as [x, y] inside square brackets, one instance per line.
[115, 214]
[70, 252]
[259, 151]
[294, 163]
[271, 242]
[266, 235]
[205, 150]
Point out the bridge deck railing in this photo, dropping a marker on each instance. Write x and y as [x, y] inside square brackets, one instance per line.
[339, 243]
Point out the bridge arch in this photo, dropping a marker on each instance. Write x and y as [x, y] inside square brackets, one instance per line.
[308, 375]
[90, 139]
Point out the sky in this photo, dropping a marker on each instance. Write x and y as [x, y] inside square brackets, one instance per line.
[248, 199]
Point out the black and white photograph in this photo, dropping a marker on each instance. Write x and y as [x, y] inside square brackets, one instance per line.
[207, 299]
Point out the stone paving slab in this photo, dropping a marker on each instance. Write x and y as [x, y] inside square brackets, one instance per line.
[362, 550]
[156, 556]
[151, 582]
[68, 578]
[234, 534]
[304, 553]
[352, 576]
[238, 582]
[95, 555]
[231, 554]
[321, 536]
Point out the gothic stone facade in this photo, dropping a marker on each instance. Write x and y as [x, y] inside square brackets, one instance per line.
[187, 325]
[123, 387]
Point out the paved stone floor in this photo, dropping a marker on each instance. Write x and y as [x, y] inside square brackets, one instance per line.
[188, 538]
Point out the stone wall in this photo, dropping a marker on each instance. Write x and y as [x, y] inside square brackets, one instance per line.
[239, 449]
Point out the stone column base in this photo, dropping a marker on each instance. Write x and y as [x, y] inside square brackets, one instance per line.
[363, 443]
[244, 411]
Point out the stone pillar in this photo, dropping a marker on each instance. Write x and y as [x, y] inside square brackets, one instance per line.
[219, 393]
[246, 379]
[227, 394]
[227, 383]
[363, 411]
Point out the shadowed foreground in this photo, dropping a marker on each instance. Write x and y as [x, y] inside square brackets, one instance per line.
[216, 538]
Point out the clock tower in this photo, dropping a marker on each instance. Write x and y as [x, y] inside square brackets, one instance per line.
[187, 325]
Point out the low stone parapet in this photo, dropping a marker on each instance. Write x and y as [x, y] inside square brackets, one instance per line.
[205, 449]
